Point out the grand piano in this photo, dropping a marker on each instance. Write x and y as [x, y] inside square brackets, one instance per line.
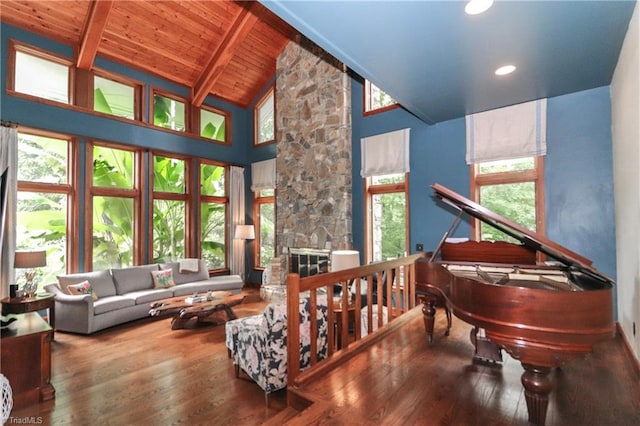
[543, 314]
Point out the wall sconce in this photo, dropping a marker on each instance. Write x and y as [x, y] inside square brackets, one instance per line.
[30, 260]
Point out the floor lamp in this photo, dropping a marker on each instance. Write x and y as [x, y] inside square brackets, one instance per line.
[244, 232]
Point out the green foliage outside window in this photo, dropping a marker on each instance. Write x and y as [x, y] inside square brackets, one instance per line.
[168, 215]
[515, 201]
[212, 125]
[213, 216]
[112, 232]
[168, 113]
[267, 233]
[41, 222]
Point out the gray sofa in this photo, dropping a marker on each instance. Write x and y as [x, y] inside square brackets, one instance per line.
[126, 294]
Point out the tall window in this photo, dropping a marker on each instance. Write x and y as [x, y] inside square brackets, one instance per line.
[44, 201]
[375, 99]
[510, 188]
[214, 124]
[115, 199]
[39, 74]
[264, 115]
[386, 221]
[169, 112]
[214, 201]
[265, 220]
[169, 215]
[114, 97]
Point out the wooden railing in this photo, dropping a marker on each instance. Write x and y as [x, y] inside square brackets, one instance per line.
[400, 297]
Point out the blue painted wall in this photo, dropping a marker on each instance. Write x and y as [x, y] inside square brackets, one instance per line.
[578, 173]
[578, 166]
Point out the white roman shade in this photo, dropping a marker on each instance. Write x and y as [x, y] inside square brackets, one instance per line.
[506, 133]
[385, 154]
[263, 175]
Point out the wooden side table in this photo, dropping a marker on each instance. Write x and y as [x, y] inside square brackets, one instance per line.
[31, 304]
[25, 348]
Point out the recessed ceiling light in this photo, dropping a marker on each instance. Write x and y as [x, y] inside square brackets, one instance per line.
[475, 7]
[507, 69]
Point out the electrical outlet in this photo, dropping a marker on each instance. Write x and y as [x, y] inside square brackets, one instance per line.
[419, 247]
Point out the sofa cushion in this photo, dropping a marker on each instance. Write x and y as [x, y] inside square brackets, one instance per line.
[147, 296]
[187, 277]
[231, 283]
[101, 281]
[82, 288]
[111, 303]
[133, 278]
[162, 278]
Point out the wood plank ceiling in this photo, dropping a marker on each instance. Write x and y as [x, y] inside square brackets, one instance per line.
[224, 48]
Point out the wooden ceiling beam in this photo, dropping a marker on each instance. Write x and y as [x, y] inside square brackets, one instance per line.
[237, 32]
[95, 25]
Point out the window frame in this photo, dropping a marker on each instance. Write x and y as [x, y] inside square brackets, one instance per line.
[171, 196]
[535, 175]
[69, 189]
[216, 199]
[137, 93]
[18, 46]
[371, 190]
[256, 118]
[153, 91]
[227, 124]
[258, 201]
[135, 193]
[366, 101]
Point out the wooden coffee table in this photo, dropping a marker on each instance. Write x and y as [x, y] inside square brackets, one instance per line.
[183, 311]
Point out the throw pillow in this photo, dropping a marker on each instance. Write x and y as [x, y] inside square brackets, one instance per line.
[163, 278]
[82, 288]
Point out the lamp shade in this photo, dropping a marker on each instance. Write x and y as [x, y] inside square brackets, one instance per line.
[30, 259]
[244, 232]
[344, 259]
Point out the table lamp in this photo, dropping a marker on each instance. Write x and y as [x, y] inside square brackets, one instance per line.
[30, 260]
[344, 259]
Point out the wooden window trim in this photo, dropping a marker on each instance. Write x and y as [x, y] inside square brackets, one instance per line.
[137, 92]
[366, 102]
[260, 102]
[69, 189]
[187, 111]
[195, 125]
[214, 199]
[535, 175]
[18, 46]
[172, 196]
[257, 202]
[134, 193]
[369, 191]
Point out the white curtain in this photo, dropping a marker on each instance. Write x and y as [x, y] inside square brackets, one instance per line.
[263, 175]
[506, 133]
[236, 205]
[386, 153]
[9, 159]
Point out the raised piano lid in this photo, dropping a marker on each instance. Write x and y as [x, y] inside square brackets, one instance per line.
[530, 239]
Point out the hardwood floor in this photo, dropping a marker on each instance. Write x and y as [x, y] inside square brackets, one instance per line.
[143, 373]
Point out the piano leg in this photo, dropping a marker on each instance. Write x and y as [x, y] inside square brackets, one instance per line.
[537, 386]
[429, 315]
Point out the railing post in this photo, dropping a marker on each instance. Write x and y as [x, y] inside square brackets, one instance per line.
[293, 327]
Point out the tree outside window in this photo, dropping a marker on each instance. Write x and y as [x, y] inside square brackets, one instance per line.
[213, 215]
[376, 99]
[169, 113]
[264, 205]
[44, 197]
[386, 217]
[115, 204]
[169, 209]
[512, 189]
